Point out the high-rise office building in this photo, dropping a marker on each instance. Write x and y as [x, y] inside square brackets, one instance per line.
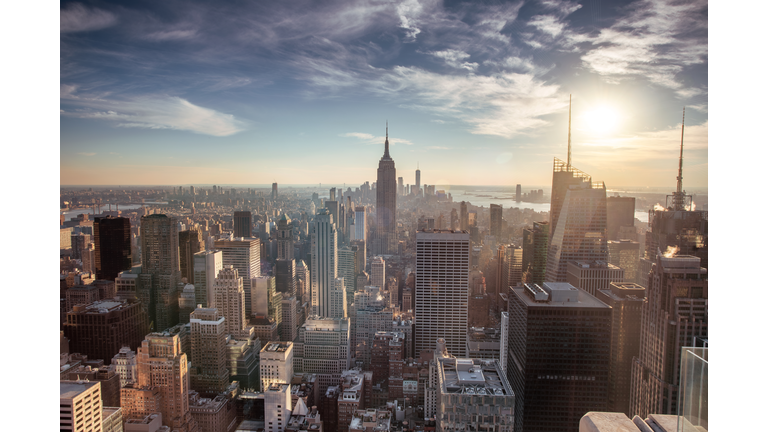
[385, 240]
[267, 303]
[163, 365]
[276, 363]
[243, 254]
[277, 407]
[578, 232]
[209, 373]
[535, 246]
[674, 314]
[190, 243]
[242, 223]
[464, 216]
[458, 381]
[290, 310]
[496, 210]
[323, 348]
[400, 188]
[625, 254]
[372, 315]
[594, 275]
[80, 407]
[229, 299]
[274, 191]
[112, 246]
[207, 265]
[378, 272]
[518, 192]
[338, 297]
[100, 329]
[347, 268]
[418, 181]
[555, 387]
[620, 213]
[324, 258]
[442, 289]
[285, 276]
[126, 365]
[284, 238]
[160, 274]
[513, 259]
[626, 301]
[361, 224]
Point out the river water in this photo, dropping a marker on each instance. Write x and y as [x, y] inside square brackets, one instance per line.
[69, 214]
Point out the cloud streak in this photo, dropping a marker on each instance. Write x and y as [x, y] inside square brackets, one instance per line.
[375, 140]
[78, 18]
[153, 112]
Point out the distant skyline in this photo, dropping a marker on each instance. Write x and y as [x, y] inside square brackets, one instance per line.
[298, 92]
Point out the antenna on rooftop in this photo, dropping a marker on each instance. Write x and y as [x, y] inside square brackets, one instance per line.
[569, 131]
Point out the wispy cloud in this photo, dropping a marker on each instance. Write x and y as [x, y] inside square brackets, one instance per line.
[656, 41]
[79, 18]
[153, 112]
[172, 35]
[87, 154]
[375, 140]
[438, 148]
[455, 58]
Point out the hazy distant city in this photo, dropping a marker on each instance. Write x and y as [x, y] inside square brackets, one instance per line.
[406, 216]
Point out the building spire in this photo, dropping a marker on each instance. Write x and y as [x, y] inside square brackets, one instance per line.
[569, 131]
[680, 168]
[386, 142]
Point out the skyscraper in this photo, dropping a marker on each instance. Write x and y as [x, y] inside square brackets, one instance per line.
[361, 224]
[190, 243]
[620, 213]
[378, 272]
[207, 265]
[112, 241]
[496, 220]
[626, 301]
[442, 289]
[418, 181]
[678, 225]
[163, 365]
[675, 312]
[160, 275]
[385, 241]
[274, 191]
[535, 246]
[578, 225]
[242, 222]
[559, 352]
[324, 258]
[518, 192]
[229, 299]
[243, 254]
[209, 373]
[464, 216]
[284, 238]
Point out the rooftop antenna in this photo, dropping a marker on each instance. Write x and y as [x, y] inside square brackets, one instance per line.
[680, 168]
[679, 200]
[569, 131]
[386, 142]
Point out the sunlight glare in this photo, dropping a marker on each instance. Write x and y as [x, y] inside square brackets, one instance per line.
[602, 120]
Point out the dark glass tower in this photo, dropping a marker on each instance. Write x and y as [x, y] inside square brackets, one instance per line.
[112, 241]
[386, 204]
[242, 220]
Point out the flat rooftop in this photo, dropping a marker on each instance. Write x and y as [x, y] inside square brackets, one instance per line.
[473, 376]
[70, 389]
[585, 300]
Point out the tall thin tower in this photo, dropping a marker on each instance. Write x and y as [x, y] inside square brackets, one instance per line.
[386, 204]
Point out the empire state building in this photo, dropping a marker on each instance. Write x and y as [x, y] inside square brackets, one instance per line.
[385, 241]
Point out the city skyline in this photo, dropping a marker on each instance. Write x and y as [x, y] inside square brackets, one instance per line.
[155, 94]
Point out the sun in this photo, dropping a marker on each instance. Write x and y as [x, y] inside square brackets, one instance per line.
[601, 120]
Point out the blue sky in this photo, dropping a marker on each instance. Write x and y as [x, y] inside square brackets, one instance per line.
[298, 92]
